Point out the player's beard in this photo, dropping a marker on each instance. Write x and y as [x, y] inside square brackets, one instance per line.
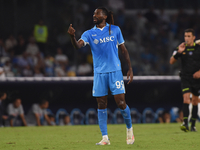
[98, 21]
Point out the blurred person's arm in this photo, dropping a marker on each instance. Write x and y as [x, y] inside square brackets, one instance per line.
[67, 120]
[160, 120]
[11, 122]
[23, 119]
[47, 119]
[21, 111]
[4, 117]
[10, 113]
[168, 119]
[178, 120]
[3, 114]
[37, 119]
[35, 109]
[1, 72]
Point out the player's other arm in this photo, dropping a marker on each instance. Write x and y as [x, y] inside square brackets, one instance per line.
[1, 72]
[174, 58]
[127, 58]
[23, 119]
[75, 43]
[37, 119]
[11, 122]
[47, 119]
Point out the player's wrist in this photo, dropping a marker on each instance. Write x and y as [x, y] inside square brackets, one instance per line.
[179, 51]
[72, 36]
[177, 55]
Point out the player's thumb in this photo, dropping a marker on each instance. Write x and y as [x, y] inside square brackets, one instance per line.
[127, 76]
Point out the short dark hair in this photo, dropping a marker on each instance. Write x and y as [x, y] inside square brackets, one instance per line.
[190, 30]
[43, 101]
[16, 98]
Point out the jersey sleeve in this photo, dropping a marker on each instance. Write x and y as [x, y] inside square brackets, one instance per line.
[175, 51]
[35, 109]
[10, 110]
[85, 37]
[21, 110]
[120, 38]
[45, 112]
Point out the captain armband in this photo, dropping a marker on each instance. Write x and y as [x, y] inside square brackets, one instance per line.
[177, 55]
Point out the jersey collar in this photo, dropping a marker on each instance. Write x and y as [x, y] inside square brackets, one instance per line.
[193, 44]
[95, 27]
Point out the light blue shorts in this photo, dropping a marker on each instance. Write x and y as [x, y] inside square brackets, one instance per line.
[104, 81]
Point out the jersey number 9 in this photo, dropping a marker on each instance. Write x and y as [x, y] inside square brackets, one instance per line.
[119, 84]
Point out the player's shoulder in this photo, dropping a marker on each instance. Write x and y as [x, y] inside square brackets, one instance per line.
[89, 31]
[10, 105]
[197, 46]
[35, 105]
[115, 27]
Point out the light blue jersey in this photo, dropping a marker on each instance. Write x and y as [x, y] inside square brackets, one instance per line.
[104, 47]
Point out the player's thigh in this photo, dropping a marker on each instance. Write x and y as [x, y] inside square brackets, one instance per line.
[100, 84]
[195, 87]
[186, 98]
[116, 83]
[195, 100]
[186, 85]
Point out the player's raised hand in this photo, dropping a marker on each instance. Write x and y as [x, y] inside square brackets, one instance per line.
[196, 75]
[130, 76]
[71, 31]
[197, 41]
[181, 47]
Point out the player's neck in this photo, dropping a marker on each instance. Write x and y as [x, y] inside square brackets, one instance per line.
[190, 44]
[101, 25]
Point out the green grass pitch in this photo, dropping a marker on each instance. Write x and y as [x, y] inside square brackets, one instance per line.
[148, 137]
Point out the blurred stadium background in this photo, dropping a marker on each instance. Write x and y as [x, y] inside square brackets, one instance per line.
[54, 70]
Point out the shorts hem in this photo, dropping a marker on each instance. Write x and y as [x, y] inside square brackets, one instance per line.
[186, 92]
[119, 93]
[99, 95]
[195, 94]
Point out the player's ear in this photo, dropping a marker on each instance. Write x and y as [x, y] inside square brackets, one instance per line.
[105, 17]
[194, 37]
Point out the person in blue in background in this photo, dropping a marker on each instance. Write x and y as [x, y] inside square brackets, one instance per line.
[104, 39]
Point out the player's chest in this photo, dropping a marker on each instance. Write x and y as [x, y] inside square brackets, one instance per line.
[191, 53]
[98, 38]
[16, 111]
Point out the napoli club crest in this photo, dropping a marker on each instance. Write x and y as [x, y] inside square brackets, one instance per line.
[190, 53]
